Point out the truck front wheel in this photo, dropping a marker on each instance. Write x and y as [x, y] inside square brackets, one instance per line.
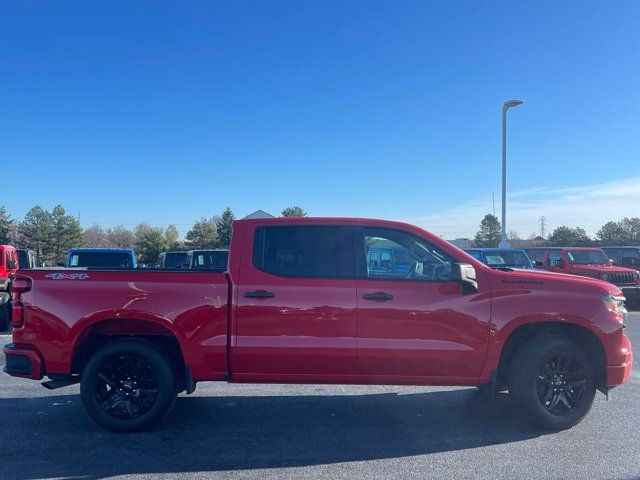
[553, 380]
[128, 386]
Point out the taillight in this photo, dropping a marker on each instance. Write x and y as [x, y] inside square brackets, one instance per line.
[20, 285]
[17, 313]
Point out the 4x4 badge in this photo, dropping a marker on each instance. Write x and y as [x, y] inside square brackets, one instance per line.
[67, 276]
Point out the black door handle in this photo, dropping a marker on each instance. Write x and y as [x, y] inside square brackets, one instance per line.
[259, 294]
[377, 296]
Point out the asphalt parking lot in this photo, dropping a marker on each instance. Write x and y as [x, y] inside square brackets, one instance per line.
[315, 432]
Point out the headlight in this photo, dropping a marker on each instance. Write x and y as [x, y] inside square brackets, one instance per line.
[615, 305]
[605, 277]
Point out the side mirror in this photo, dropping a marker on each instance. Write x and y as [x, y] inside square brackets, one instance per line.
[558, 263]
[538, 263]
[11, 264]
[465, 274]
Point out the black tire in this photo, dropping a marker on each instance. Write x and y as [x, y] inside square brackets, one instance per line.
[552, 378]
[128, 386]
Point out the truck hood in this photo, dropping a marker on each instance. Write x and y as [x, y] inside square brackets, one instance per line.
[599, 269]
[559, 281]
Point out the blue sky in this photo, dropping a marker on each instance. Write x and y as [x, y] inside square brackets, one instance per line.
[164, 112]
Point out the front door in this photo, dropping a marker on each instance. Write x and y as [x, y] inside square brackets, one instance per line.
[413, 320]
[296, 302]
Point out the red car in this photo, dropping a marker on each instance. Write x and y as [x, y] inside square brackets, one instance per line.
[299, 303]
[588, 262]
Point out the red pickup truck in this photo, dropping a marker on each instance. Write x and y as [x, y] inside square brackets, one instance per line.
[299, 303]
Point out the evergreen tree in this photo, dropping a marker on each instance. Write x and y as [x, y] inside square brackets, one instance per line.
[35, 232]
[65, 233]
[293, 211]
[203, 234]
[172, 237]
[490, 232]
[5, 226]
[223, 228]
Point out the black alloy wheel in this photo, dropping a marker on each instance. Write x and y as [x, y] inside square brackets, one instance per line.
[561, 384]
[126, 387]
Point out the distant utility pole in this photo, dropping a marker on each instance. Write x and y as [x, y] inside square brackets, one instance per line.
[543, 225]
[493, 198]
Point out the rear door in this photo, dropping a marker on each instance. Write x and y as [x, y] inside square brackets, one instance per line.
[417, 323]
[296, 304]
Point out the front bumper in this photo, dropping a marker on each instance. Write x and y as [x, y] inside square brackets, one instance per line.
[23, 362]
[619, 374]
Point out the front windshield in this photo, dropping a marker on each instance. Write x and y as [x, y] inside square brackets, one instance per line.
[585, 257]
[507, 258]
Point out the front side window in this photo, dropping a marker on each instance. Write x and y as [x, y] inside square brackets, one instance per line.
[402, 256]
[304, 251]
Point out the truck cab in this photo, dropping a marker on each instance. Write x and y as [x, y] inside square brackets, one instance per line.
[103, 258]
[172, 260]
[26, 259]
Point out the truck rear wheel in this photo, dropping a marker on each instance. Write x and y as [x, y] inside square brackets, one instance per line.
[128, 386]
[553, 380]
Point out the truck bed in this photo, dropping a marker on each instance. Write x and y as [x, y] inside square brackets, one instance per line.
[189, 305]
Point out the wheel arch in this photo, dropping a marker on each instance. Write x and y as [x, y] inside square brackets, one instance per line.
[102, 331]
[581, 335]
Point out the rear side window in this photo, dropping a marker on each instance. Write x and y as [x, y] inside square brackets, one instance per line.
[304, 251]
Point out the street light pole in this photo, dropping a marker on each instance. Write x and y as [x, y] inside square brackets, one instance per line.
[504, 243]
